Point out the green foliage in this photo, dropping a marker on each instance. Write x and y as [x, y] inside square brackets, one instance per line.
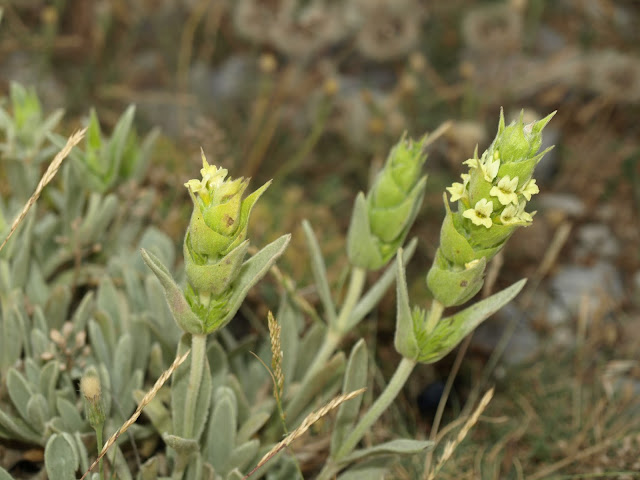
[78, 304]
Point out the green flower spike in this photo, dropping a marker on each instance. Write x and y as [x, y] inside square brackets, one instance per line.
[491, 206]
[419, 338]
[215, 247]
[381, 220]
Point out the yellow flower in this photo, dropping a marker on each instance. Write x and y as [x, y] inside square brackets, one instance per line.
[506, 190]
[489, 166]
[481, 213]
[515, 214]
[459, 190]
[530, 188]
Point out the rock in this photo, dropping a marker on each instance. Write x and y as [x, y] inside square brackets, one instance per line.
[601, 284]
[596, 240]
[567, 204]
[524, 342]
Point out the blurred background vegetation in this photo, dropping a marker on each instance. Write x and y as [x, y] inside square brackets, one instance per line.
[313, 93]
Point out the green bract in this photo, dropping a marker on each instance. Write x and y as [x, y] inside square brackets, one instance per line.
[491, 206]
[381, 221]
[215, 247]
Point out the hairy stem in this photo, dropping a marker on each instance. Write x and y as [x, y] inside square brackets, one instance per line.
[378, 408]
[336, 332]
[198, 352]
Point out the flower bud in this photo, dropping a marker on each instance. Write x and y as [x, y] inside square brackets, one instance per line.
[491, 206]
[380, 223]
[215, 246]
[92, 393]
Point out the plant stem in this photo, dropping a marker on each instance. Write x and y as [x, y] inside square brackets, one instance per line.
[198, 352]
[380, 405]
[99, 428]
[434, 316]
[336, 332]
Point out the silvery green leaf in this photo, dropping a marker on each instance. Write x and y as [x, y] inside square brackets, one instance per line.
[221, 435]
[100, 213]
[400, 446]
[234, 474]
[149, 470]
[11, 337]
[31, 371]
[184, 446]
[374, 469]
[162, 323]
[180, 380]
[243, 455]
[121, 470]
[105, 382]
[182, 313]
[316, 386]
[156, 412]
[48, 380]
[244, 409]
[21, 259]
[70, 416]
[251, 272]
[107, 300]
[83, 312]
[117, 143]
[82, 452]
[156, 362]
[39, 342]
[254, 423]
[140, 332]
[286, 317]
[133, 287]
[319, 273]
[362, 248]
[405, 341]
[5, 273]
[127, 402]
[309, 346]
[39, 321]
[98, 344]
[287, 469]
[140, 168]
[19, 391]
[37, 288]
[18, 429]
[355, 377]
[158, 243]
[4, 475]
[60, 458]
[122, 364]
[57, 306]
[371, 298]
[38, 412]
[218, 362]
[451, 330]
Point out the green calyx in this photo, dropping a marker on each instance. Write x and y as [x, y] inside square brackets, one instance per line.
[424, 336]
[215, 244]
[381, 221]
[215, 247]
[492, 200]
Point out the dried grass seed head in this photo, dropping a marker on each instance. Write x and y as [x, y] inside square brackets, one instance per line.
[615, 75]
[256, 19]
[493, 29]
[389, 30]
[317, 26]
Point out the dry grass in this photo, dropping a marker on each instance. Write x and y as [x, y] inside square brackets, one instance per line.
[143, 403]
[50, 173]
